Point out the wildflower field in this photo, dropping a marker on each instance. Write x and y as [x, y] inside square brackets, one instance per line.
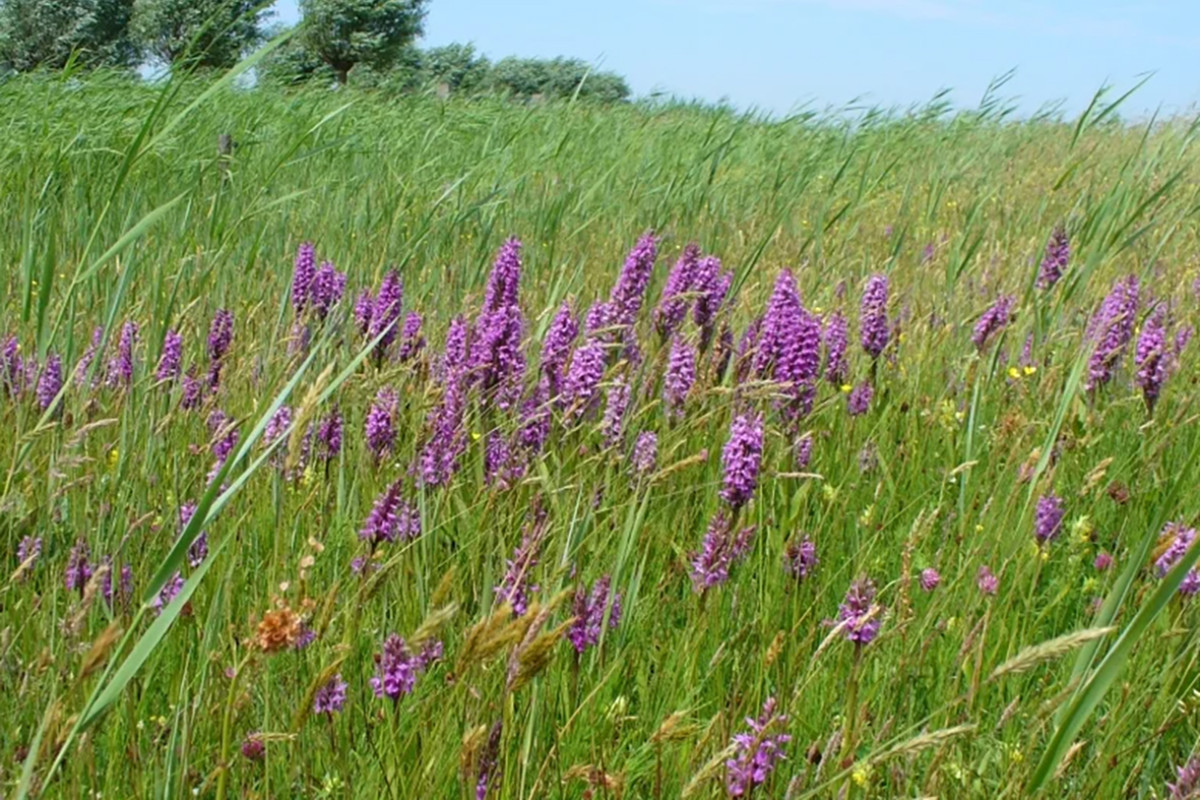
[422, 448]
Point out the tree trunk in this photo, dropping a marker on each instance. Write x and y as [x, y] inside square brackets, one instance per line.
[342, 74]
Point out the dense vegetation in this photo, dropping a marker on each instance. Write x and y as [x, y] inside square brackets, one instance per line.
[989, 462]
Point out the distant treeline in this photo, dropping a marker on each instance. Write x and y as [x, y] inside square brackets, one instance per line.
[369, 43]
[455, 69]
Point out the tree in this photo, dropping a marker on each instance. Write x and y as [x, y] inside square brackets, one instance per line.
[47, 34]
[456, 65]
[198, 33]
[556, 78]
[344, 33]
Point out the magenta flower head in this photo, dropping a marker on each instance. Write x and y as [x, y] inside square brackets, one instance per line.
[253, 747]
[681, 375]
[873, 329]
[51, 381]
[379, 427]
[1151, 359]
[741, 460]
[302, 275]
[1047, 523]
[858, 402]
[987, 582]
[588, 610]
[1187, 781]
[169, 363]
[1111, 330]
[29, 549]
[930, 579]
[447, 439]
[168, 593]
[12, 367]
[800, 558]
[756, 752]
[1103, 562]
[994, 320]
[364, 308]
[331, 697]
[837, 370]
[673, 306]
[504, 282]
[629, 292]
[859, 613]
[645, 453]
[1058, 253]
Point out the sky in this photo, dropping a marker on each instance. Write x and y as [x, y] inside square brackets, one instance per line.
[782, 55]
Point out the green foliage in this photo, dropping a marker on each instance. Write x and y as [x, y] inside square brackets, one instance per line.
[457, 66]
[294, 64]
[211, 34]
[344, 33]
[47, 34]
[556, 78]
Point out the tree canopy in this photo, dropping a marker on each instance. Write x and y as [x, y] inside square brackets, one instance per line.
[198, 33]
[345, 33]
[49, 34]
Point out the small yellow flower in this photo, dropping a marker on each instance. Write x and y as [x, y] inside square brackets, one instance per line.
[475, 436]
[1029, 369]
[1089, 585]
[1014, 373]
[859, 776]
[846, 388]
[114, 456]
[829, 493]
[978, 528]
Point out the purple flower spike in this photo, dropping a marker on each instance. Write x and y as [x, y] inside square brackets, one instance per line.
[198, 550]
[741, 459]
[721, 549]
[681, 375]
[994, 320]
[411, 340]
[302, 276]
[379, 427]
[711, 284]
[397, 667]
[168, 593]
[169, 362]
[386, 312]
[1111, 330]
[645, 453]
[1048, 519]
[873, 326]
[588, 610]
[673, 307]
[120, 368]
[612, 426]
[51, 381]
[1058, 253]
[391, 518]
[12, 368]
[859, 613]
[837, 370]
[447, 439]
[630, 290]
[802, 450]
[1178, 539]
[800, 558]
[331, 697]
[580, 388]
[756, 752]
[556, 348]
[858, 402]
[1151, 358]
[79, 569]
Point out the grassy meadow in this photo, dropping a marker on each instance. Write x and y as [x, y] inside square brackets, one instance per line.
[164, 671]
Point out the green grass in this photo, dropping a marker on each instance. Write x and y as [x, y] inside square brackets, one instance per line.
[113, 206]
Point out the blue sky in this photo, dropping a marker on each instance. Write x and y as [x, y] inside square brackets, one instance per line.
[778, 54]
